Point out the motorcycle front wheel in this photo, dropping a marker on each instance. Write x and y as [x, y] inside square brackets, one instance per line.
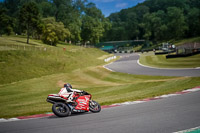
[60, 109]
[94, 106]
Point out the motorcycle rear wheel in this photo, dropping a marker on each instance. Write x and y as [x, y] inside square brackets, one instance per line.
[60, 109]
[94, 106]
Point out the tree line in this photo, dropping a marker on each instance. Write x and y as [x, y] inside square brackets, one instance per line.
[53, 20]
[80, 21]
[156, 20]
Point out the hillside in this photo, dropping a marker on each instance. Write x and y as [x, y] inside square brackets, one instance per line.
[21, 61]
[156, 21]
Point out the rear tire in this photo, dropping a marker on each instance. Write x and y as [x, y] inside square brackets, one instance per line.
[94, 106]
[60, 109]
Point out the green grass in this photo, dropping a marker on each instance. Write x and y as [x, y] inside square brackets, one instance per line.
[160, 61]
[19, 40]
[17, 65]
[28, 97]
[137, 48]
[189, 40]
[28, 76]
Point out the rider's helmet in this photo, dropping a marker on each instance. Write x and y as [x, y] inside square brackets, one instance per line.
[68, 87]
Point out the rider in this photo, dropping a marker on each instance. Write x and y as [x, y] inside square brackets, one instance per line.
[68, 92]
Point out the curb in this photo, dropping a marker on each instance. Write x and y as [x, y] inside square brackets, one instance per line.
[108, 68]
[106, 106]
[192, 130]
[160, 97]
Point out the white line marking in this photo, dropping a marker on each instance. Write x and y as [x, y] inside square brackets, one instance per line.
[108, 68]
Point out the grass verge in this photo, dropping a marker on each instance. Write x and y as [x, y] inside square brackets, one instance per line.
[160, 61]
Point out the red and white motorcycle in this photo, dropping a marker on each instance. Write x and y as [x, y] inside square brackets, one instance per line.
[81, 102]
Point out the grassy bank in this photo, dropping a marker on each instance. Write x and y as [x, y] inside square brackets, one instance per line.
[160, 61]
[28, 76]
[190, 40]
[18, 65]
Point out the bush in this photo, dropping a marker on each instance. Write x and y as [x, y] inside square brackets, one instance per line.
[54, 31]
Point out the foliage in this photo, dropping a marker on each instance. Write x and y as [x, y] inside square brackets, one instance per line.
[156, 20]
[176, 25]
[93, 24]
[92, 29]
[54, 31]
[29, 16]
[153, 20]
[6, 23]
[72, 14]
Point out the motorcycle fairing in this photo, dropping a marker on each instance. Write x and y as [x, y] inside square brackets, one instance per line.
[83, 103]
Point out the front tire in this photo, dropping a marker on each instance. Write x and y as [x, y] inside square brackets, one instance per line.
[60, 109]
[94, 106]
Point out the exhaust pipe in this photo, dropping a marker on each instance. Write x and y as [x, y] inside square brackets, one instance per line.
[50, 101]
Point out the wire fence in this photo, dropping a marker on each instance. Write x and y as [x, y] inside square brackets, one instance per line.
[9, 47]
[6, 47]
[24, 47]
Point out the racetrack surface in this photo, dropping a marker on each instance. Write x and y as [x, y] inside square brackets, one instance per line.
[129, 64]
[159, 116]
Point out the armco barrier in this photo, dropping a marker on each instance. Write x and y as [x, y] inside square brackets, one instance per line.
[182, 55]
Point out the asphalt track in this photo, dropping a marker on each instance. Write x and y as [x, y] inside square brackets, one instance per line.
[159, 116]
[129, 64]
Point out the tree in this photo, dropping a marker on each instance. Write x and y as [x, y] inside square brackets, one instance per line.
[107, 26]
[154, 26]
[132, 26]
[46, 9]
[92, 24]
[69, 12]
[29, 16]
[75, 30]
[176, 23]
[54, 31]
[12, 6]
[92, 30]
[62, 8]
[193, 21]
[6, 23]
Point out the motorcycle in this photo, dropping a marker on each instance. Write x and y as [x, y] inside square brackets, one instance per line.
[82, 102]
